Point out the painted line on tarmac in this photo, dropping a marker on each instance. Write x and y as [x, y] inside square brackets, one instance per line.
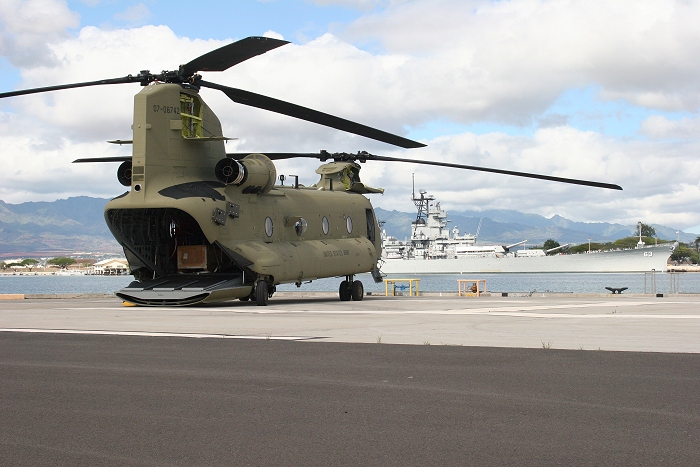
[157, 334]
[577, 311]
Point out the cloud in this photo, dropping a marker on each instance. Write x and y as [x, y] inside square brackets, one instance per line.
[133, 15]
[273, 35]
[28, 26]
[551, 120]
[505, 61]
[659, 126]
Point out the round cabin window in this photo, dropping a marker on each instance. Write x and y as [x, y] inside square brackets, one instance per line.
[348, 224]
[300, 226]
[325, 225]
[268, 227]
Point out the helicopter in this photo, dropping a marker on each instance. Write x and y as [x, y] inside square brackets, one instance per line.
[199, 225]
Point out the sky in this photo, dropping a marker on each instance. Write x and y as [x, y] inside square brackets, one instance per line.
[597, 90]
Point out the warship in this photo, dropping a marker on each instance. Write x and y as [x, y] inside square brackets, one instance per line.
[435, 249]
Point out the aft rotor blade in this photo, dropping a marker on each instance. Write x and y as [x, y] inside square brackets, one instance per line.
[104, 159]
[229, 55]
[304, 113]
[125, 79]
[276, 156]
[572, 181]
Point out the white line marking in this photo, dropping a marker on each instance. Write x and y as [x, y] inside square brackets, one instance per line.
[578, 310]
[154, 334]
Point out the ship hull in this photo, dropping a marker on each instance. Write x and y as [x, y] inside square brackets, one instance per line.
[633, 260]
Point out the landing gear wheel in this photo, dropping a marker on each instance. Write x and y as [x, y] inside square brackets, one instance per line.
[261, 294]
[357, 291]
[344, 291]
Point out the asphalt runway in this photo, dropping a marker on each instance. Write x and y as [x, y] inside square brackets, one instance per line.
[310, 380]
[120, 400]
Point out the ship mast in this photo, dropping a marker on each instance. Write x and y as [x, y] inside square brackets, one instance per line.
[420, 203]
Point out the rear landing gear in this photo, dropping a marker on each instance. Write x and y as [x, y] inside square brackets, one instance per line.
[358, 291]
[344, 291]
[351, 290]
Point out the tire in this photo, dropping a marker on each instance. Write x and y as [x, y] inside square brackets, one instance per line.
[261, 295]
[357, 291]
[344, 291]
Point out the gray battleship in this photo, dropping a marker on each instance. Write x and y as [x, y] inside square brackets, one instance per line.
[435, 249]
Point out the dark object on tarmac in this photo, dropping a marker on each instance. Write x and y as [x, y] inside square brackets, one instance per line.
[616, 290]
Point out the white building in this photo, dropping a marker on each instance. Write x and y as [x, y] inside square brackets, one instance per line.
[110, 267]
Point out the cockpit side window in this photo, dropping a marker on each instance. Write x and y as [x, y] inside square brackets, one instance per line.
[371, 233]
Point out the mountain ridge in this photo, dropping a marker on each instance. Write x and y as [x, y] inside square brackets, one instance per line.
[510, 226]
[49, 228]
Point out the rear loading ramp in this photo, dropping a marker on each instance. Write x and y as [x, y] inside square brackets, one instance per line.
[185, 289]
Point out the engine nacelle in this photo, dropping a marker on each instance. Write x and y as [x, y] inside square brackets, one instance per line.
[124, 173]
[255, 173]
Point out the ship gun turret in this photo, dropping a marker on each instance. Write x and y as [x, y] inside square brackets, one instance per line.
[508, 247]
[552, 250]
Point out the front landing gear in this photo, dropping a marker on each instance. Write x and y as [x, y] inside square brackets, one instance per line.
[350, 289]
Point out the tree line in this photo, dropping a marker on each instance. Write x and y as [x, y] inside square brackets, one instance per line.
[31, 263]
[685, 253]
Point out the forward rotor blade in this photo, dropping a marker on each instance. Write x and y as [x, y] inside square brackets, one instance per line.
[229, 55]
[363, 156]
[304, 113]
[125, 79]
[572, 181]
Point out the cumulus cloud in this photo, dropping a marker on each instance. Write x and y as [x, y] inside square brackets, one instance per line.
[659, 126]
[28, 26]
[507, 60]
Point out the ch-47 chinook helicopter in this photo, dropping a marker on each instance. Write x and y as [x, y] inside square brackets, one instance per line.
[199, 225]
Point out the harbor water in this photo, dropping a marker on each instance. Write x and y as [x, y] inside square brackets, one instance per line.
[535, 282]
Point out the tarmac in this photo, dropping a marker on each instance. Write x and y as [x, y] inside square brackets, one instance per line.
[310, 380]
[641, 323]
